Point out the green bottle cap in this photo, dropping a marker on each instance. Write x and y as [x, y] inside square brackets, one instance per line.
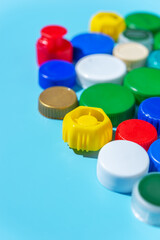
[116, 101]
[149, 188]
[144, 21]
[143, 83]
[146, 199]
[156, 45]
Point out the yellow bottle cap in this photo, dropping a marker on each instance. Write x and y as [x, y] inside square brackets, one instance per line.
[87, 128]
[133, 54]
[56, 102]
[108, 23]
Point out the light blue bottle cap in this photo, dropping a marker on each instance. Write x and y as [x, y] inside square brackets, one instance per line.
[153, 60]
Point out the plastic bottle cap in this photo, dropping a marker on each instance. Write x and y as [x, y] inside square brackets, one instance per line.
[90, 43]
[53, 31]
[56, 102]
[157, 41]
[146, 199]
[51, 45]
[133, 54]
[108, 23]
[153, 60]
[116, 101]
[87, 128]
[120, 164]
[154, 156]
[139, 36]
[143, 83]
[144, 21]
[138, 131]
[149, 110]
[57, 73]
[100, 68]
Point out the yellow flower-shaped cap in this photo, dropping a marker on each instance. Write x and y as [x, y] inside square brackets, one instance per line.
[108, 23]
[87, 128]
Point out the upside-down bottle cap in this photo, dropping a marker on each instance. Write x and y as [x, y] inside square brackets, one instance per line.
[87, 128]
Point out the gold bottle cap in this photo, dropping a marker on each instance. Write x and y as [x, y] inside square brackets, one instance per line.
[56, 102]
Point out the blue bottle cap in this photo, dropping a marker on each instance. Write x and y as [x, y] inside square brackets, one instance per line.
[57, 73]
[154, 156]
[90, 43]
[149, 110]
[154, 59]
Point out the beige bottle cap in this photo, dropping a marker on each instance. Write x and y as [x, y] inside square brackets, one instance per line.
[56, 102]
[133, 54]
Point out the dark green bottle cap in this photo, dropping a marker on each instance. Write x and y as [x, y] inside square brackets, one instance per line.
[143, 83]
[136, 34]
[146, 199]
[149, 188]
[116, 101]
[144, 21]
[156, 45]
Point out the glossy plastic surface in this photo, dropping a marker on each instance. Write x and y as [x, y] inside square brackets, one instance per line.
[146, 199]
[56, 102]
[120, 164]
[51, 45]
[100, 68]
[136, 35]
[149, 110]
[138, 131]
[90, 43]
[143, 20]
[116, 101]
[153, 60]
[49, 192]
[133, 54]
[154, 156]
[109, 23]
[143, 83]
[57, 73]
[87, 128]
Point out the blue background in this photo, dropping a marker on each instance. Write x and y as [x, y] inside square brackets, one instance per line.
[46, 190]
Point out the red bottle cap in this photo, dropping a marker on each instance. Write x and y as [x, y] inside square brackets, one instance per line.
[53, 31]
[52, 45]
[138, 131]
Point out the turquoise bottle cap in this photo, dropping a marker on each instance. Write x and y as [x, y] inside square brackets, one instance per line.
[153, 60]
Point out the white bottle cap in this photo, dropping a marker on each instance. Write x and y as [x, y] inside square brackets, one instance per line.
[100, 68]
[120, 164]
[136, 35]
[133, 54]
